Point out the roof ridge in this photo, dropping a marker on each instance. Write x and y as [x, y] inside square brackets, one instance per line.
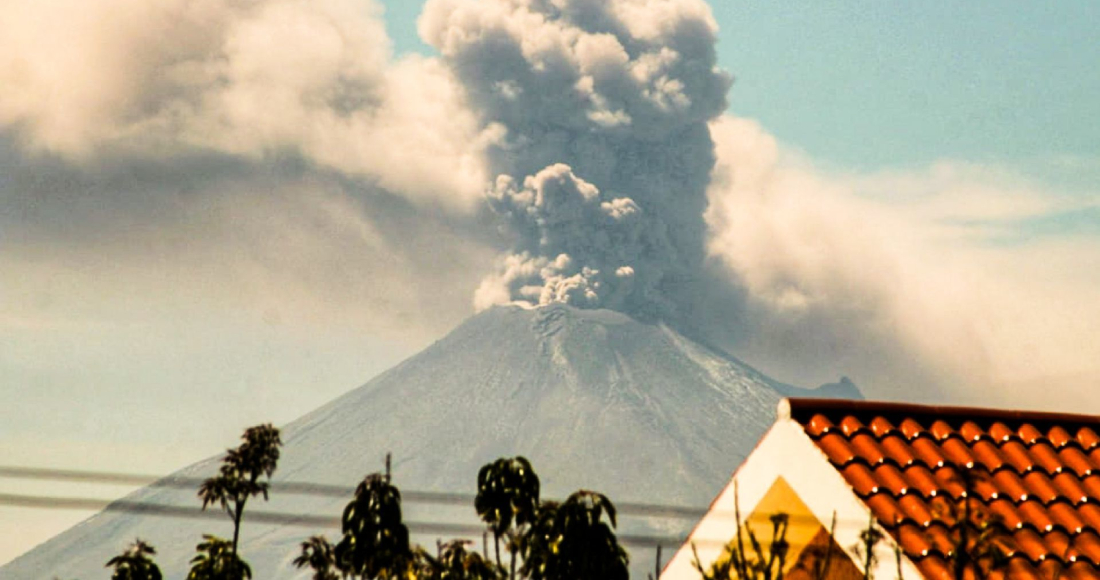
[801, 409]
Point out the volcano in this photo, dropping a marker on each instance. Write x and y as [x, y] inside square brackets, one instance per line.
[594, 398]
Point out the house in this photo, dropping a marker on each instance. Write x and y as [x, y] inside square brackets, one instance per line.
[1033, 480]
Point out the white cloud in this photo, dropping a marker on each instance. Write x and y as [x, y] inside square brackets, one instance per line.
[246, 78]
[894, 277]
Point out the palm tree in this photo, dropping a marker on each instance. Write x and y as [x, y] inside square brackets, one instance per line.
[507, 493]
[320, 556]
[135, 563]
[216, 560]
[240, 473]
[376, 542]
[572, 541]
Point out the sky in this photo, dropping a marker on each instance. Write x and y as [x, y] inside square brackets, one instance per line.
[214, 215]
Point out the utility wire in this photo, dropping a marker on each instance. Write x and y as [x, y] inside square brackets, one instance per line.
[273, 517]
[307, 488]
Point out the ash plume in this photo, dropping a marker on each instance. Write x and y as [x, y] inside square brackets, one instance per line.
[604, 154]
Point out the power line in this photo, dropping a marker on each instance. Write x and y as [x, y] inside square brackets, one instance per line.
[307, 488]
[310, 489]
[273, 517]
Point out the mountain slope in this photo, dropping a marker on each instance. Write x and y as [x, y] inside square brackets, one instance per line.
[595, 399]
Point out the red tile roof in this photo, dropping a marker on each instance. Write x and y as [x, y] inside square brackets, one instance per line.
[1034, 478]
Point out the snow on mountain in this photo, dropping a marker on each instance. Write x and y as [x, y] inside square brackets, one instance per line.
[594, 398]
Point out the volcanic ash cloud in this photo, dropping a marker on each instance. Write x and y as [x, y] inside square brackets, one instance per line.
[606, 155]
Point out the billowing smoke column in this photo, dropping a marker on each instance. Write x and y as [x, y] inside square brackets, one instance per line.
[605, 153]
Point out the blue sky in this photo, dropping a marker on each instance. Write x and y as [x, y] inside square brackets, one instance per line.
[868, 85]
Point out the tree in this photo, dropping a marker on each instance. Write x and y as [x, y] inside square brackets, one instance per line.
[507, 493]
[239, 478]
[869, 539]
[736, 562]
[575, 540]
[375, 542]
[978, 537]
[456, 563]
[216, 560]
[135, 563]
[320, 556]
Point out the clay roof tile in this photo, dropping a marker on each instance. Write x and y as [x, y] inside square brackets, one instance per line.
[928, 452]
[891, 478]
[1090, 512]
[882, 427]
[950, 481]
[935, 568]
[850, 426]
[1064, 515]
[1036, 516]
[1059, 437]
[916, 509]
[818, 425]
[836, 447]
[1076, 460]
[1088, 544]
[1005, 511]
[1034, 475]
[912, 428]
[1040, 487]
[867, 448]
[886, 508]
[1087, 437]
[1044, 455]
[861, 479]
[971, 432]
[988, 455]
[922, 480]
[1092, 485]
[1017, 455]
[1069, 487]
[941, 430]
[1011, 486]
[1029, 433]
[914, 541]
[898, 449]
[1001, 432]
[957, 451]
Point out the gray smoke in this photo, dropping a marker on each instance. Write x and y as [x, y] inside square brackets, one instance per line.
[606, 154]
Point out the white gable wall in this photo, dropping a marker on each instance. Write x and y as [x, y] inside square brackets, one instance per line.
[786, 451]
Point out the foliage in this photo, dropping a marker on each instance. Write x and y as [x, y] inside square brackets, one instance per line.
[216, 560]
[238, 478]
[507, 493]
[375, 542]
[135, 563]
[735, 562]
[869, 539]
[819, 560]
[320, 556]
[456, 563]
[977, 536]
[572, 541]
[978, 541]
